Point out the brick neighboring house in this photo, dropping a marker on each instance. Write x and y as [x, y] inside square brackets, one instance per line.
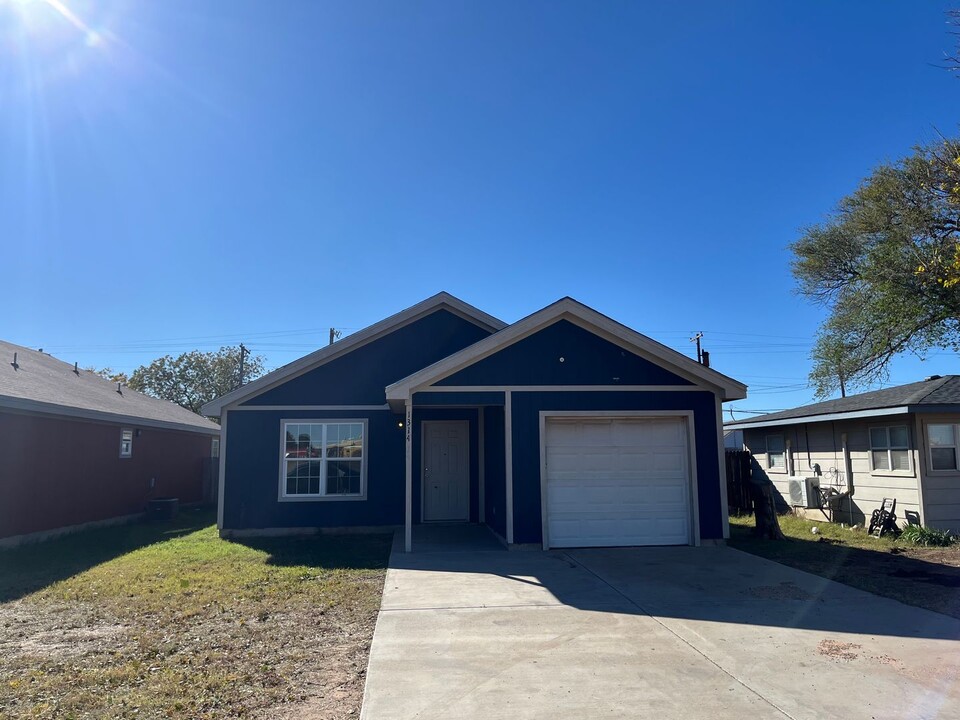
[76, 450]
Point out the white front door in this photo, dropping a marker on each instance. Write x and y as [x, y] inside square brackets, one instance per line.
[446, 470]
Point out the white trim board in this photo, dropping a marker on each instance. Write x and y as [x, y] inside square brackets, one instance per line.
[358, 339]
[222, 470]
[331, 408]
[481, 466]
[722, 472]
[508, 456]
[561, 388]
[584, 317]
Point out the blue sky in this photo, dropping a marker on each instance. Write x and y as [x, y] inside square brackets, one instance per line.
[184, 174]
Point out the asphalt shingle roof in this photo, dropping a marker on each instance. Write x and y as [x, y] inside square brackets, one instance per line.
[940, 391]
[42, 378]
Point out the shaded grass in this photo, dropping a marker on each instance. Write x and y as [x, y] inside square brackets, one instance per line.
[923, 577]
[29, 568]
[188, 626]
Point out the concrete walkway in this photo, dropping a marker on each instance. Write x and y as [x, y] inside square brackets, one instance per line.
[647, 632]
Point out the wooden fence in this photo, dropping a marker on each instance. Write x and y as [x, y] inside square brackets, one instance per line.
[739, 495]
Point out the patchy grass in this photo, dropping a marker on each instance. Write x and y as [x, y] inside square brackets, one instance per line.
[924, 577]
[173, 622]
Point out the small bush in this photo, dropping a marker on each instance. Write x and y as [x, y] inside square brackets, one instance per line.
[920, 535]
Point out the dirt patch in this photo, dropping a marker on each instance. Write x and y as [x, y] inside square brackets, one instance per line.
[190, 628]
[55, 631]
[836, 650]
[300, 664]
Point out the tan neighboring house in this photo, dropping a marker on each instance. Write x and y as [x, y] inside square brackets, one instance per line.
[900, 442]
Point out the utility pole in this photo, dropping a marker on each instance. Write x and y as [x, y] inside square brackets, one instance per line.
[243, 355]
[696, 339]
[334, 335]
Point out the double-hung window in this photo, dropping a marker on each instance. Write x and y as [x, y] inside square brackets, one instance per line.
[323, 459]
[776, 452]
[943, 446]
[126, 443]
[890, 448]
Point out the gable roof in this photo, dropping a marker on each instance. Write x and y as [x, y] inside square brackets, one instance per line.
[569, 309]
[44, 384]
[440, 301]
[937, 392]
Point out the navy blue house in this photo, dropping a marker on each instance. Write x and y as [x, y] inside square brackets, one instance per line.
[564, 429]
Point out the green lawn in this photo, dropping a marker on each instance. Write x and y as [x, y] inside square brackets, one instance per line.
[173, 622]
[925, 577]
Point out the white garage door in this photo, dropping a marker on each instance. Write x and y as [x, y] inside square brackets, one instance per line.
[617, 481]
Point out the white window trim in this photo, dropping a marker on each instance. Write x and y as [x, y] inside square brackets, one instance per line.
[929, 448]
[770, 467]
[882, 472]
[282, 485]
[129, 451]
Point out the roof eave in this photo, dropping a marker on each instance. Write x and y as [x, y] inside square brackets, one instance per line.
[726, 387]
[215, 407]
[822, 417]
[36, 406]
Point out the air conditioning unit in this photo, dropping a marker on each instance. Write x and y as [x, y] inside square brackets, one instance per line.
[804, 491]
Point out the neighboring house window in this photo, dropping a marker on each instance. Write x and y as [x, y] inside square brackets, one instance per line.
[776, 455]
[943, 446]
[323, 459]
[126, 443]
[890, 448]
[215, 447]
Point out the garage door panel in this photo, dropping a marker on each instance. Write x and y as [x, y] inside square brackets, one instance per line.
[673, 462]
[617, 481]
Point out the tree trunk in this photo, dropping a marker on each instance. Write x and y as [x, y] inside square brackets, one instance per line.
[765, 512]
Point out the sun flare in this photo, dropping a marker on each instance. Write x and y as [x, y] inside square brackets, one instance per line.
[30, 10]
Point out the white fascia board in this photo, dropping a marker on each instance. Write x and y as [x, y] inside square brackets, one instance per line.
[852, 415]
[34, 406]
[350, 343]
[587, 318]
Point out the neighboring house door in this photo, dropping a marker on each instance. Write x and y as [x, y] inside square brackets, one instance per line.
[446, 471]
[617, 481]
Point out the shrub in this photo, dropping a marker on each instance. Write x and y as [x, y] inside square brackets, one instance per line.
[920, 535]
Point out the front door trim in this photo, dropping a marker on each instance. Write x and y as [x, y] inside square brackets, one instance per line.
[423, 463]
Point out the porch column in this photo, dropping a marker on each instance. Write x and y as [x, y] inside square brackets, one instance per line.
[508, 449]
[408, 519]
[481, 466]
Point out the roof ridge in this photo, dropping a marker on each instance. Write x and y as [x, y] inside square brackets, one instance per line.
[371, 332]
[934, 386]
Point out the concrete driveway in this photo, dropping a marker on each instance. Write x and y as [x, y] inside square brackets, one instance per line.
[647, 632]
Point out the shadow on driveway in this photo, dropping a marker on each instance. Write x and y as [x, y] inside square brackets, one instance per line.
[713, 584]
